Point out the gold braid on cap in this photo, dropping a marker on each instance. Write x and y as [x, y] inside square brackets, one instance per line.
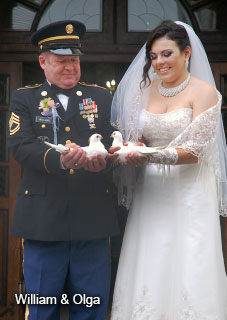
[57, 37]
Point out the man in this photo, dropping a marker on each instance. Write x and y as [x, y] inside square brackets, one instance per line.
[64, 209]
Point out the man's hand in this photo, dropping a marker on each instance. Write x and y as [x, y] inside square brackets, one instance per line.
[75, 158]
[95, 163]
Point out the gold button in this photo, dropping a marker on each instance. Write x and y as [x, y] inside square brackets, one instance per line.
[43, 126]
[71, 171]
[67, 129]
[68, 141]
[26, 192]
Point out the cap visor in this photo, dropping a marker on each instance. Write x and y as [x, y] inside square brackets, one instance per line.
[67, 52]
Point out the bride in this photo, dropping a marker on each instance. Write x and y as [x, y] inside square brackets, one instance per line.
[171, 265]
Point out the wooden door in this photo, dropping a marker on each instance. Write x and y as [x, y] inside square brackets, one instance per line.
[220, 75]
[10, 174]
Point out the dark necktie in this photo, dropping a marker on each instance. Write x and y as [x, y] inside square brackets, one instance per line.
[56, 90]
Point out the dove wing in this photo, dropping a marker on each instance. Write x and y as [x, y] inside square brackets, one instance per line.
[60, 148]
[85, 148]
[94, 150]
[147, 150]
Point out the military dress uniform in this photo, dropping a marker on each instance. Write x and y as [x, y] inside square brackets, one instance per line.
[47, 191]
[64, 215]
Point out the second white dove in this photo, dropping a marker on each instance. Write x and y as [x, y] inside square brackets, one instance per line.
[143, 151]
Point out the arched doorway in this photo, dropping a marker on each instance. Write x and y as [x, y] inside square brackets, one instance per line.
[116, 31]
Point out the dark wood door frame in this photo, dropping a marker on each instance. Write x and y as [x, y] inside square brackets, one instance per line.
[10, 248]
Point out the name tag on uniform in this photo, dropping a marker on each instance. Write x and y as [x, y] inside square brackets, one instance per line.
[48, 120]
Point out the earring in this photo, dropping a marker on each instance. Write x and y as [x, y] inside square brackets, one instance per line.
[186, 64]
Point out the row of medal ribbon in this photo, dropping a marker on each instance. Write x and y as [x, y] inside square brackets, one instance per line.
[91, 107]
[89, 111]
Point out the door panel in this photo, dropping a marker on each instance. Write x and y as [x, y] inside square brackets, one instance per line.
[10, 174]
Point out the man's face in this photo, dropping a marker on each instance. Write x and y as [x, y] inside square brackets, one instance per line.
[63, 71]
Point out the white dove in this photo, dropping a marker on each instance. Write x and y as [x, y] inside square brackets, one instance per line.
[95, 146]
[143, 151]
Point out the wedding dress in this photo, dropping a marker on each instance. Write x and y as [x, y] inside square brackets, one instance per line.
[171, 265]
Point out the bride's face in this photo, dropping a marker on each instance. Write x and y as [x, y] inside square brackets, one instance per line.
[168, 61]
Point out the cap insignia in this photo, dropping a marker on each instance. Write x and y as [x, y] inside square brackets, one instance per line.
[69, 28]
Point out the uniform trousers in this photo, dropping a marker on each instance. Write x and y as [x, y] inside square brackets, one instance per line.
[86, 264]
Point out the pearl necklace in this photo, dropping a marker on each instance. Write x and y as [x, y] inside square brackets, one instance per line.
[171, 92]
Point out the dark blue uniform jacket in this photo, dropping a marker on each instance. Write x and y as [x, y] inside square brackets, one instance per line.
[55, 204]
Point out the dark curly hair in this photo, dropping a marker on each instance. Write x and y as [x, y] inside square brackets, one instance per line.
[167, 29]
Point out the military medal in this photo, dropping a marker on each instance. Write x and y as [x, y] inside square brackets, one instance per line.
[88, 110]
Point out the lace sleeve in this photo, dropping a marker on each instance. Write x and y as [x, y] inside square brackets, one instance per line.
[200, 135]
[202, 139]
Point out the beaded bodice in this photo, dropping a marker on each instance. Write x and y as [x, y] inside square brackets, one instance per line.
[161, 129]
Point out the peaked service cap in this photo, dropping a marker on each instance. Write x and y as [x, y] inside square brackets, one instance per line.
[60, 38]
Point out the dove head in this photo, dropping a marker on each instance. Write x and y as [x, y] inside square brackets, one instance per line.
[95, 138]
[117, 136]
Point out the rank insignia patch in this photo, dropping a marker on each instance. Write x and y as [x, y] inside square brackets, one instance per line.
[14, 123]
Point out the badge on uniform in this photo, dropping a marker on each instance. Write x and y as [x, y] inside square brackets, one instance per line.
[48, 120]
[89, 110]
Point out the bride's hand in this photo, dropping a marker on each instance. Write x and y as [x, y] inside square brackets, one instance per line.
[134, 160]
[113, 155]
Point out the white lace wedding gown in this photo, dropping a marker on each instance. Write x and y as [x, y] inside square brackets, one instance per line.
[171, 265]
